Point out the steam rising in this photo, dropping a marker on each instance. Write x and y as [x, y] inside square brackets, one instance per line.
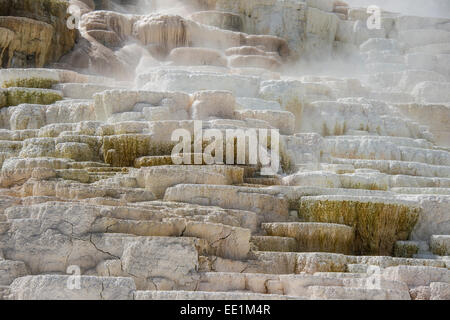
[144, 7]
[429, 8]
[141, 54]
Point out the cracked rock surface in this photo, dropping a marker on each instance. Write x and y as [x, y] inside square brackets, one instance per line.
[94, 206]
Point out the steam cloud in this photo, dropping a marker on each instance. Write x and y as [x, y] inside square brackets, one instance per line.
[431, 8]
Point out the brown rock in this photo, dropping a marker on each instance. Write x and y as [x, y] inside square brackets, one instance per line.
[52, 13]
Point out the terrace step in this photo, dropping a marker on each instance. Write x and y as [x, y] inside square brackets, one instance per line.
[230, 197]
[10, 270]
[312, 262]
[363, 179]
[292, 285]
[408, 249]
[315, 237]
[198, 295]
[274, 243]
[224, 241]
[397, 167]
[340, 293]
[359, 208]
[386, 148]
[15, 96]
[440, 245]
[81, 90]
[263, 181]
[50, 287]
[378, 222]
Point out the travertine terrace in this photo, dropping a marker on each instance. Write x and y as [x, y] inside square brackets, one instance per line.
[360, 208]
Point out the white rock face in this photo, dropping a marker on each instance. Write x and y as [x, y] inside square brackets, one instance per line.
[94, 205]
[158, 179]
[51, 287]
[9, 270]
[213, 104]
[440, 291]
[417, 276]
[119, 101]
[432, 92]
[163, 262]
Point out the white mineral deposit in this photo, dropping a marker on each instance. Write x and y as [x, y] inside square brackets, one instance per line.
[351, 105]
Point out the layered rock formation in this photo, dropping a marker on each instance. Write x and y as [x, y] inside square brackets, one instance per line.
[34, 32]
[360, 206]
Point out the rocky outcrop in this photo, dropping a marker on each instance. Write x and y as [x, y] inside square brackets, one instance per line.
[23, 22]
[157, 35]
[223, 150]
